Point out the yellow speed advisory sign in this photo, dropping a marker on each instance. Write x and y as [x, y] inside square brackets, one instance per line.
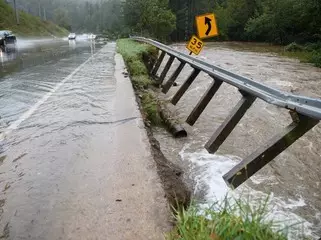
[206, 26]
[195, 45]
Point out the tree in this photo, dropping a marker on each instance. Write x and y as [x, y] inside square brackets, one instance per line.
[149, 17]
[62, 19]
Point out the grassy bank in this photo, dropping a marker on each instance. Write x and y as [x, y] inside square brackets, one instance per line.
[29, 25]
[235, 220]
[310, 53]
[135, 56]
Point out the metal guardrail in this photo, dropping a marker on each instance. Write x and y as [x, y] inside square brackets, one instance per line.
[305, 111]
[304, 105]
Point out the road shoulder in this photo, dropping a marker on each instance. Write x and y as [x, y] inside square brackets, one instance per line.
[143, 194]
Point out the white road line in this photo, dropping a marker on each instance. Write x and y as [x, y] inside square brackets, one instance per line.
[34, 108]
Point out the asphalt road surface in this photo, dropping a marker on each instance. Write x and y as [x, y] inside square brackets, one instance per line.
[74, 156]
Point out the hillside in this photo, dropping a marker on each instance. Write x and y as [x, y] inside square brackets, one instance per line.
[29, 25]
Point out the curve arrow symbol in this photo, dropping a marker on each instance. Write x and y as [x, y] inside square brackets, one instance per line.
[208, 22]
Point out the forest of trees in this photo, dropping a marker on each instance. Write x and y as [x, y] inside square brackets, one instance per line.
[275, 21]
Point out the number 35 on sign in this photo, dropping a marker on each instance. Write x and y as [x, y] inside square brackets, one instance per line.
[195, 45]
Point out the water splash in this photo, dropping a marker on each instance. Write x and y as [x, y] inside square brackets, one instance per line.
[207, 171]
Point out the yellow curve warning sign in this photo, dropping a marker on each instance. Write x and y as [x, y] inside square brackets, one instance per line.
[206, 26]
[195, 45]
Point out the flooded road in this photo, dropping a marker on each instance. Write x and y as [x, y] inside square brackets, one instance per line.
[64, 173]
[293, 179]
[32, 52]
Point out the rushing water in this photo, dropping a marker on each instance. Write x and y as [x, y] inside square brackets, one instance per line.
[293, 179]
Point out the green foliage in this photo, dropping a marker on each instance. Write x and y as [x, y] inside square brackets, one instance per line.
[316, 58]
[137, 67]
[152, 18]
[236, 220]
[141, 82]
[62, 18]
[273, 21]
[29, 25]
[150, 108]
[294, 47]
[134, 54]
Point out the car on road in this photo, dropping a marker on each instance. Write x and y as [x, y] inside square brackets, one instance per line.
[72, 36]
[7, 40]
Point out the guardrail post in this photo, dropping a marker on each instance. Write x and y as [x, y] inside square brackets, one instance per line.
[172, 79]
[185, 86]
[257, 160]
[166, 69]
[202, 104]
[230, 123]
[158, 63]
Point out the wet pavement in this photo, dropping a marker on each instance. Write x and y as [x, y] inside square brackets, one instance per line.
[293, 179]
[65, 117]
[32, 52]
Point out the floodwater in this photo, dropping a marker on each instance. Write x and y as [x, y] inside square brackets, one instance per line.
[293, 179]
[32, 52]
[51, 115]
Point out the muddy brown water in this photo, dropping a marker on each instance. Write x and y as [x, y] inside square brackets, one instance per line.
[293, 179]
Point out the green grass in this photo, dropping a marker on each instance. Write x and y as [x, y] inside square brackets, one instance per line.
[136, 57]
[141, 81]
[303, 56]
[150, 108]
[230, 220]
[134, 54]
[29, 25]
[315, 58]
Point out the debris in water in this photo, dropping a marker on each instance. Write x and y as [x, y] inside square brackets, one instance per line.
[2, 159]
[6, 187]
[18, 158]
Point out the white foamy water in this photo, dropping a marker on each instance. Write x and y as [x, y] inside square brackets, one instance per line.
[207, 171]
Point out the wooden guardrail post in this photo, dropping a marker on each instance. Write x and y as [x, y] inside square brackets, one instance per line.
[185, 86]
[230, 123]
[166, 69]
[172, 79]
[281, 141]
[158, 63]
[202, 104]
